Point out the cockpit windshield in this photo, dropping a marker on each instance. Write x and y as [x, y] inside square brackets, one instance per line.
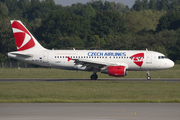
[162, 57]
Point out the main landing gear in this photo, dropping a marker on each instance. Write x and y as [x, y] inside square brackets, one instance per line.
[94, 77]
[148, 75]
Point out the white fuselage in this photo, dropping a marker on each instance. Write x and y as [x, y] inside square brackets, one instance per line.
[112, 62]
[133, 60]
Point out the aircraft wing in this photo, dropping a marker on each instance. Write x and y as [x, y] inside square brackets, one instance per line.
[90, 64]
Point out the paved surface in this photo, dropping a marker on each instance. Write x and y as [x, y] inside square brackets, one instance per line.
[102, 79]
[89, 111]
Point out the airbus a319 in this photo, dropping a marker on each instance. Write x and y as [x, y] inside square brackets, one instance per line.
[113, 62]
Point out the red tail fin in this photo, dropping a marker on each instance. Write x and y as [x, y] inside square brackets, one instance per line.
[24, 39]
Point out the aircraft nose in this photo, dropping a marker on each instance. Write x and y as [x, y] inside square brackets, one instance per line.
[170, 64]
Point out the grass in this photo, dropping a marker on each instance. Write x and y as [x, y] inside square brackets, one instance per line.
[57, 73]
[89, 92]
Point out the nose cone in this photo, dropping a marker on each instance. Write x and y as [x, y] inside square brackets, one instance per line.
[170, 64]
[165, 64]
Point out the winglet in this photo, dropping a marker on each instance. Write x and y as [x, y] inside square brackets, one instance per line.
[69, 58]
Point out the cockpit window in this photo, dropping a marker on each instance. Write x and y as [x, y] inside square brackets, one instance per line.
[162, 57]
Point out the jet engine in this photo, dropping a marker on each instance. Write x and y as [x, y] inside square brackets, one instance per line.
[117, 71]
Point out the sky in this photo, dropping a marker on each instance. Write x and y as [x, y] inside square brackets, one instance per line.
[70, 2]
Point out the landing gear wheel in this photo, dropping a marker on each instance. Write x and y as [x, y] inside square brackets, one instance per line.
[148, 75]
[149, 78]
[94, 77]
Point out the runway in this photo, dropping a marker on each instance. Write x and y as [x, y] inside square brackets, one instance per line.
[89, 111]
[86, 79]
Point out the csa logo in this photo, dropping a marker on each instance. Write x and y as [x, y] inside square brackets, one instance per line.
[68, 58]
[138, 59]
[23, 38]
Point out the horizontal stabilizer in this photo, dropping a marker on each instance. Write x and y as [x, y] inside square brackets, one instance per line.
[24, 55]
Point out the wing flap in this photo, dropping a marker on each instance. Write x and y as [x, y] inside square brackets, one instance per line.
[90, 64]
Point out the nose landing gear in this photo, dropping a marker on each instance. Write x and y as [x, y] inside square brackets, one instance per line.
[148, 75]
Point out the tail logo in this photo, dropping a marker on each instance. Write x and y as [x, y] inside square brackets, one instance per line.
[138, 59]
[23, 38]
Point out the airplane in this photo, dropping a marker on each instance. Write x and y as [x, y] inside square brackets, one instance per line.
[113, 62]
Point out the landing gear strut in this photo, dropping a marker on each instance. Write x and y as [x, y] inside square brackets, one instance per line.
[148, 75]
[94, 77]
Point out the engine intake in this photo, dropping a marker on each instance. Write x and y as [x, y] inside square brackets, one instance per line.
[117, 71]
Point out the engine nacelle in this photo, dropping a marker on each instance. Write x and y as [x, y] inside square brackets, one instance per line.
[117, 71]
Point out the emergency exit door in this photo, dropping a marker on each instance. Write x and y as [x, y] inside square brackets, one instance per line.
[148, 58]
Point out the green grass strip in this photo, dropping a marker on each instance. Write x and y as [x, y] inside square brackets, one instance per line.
[90, 92]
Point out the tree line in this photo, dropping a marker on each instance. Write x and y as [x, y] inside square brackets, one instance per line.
[98, 24]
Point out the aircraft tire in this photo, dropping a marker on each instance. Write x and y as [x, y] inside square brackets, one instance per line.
[94, 77]
[149, 78]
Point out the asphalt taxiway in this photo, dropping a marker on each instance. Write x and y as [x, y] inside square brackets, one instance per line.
[89, 111]
[101, 79]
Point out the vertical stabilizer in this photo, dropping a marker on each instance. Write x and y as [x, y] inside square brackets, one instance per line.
[24, 39]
